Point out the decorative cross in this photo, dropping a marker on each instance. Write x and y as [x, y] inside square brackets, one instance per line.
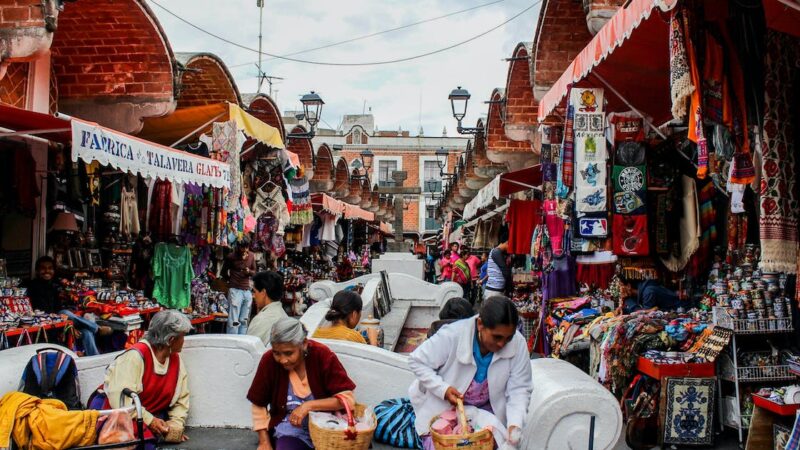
[399, 192]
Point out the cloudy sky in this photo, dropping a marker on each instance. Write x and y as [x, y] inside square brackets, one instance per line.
[404, 94]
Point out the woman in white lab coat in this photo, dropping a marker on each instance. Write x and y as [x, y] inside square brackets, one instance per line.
[482, 360]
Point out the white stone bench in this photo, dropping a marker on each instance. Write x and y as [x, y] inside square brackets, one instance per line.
[221, 369]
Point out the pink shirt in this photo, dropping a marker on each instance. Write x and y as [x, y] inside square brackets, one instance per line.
[474, 264]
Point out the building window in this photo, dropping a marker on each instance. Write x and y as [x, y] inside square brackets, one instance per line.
[385, 170]
[430, 218]
[432, 181]
[357, 136]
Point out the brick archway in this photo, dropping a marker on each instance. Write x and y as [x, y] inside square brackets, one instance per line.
[264, 108]
[117, 71]
[354, 194]
[341, 179]
[561, 34]
[520, 107]
[204, 80]
[324, 171]
[366, 194]
[302, 147]
[499, 148]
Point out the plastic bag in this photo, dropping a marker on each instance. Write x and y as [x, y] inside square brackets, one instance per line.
[116, 427]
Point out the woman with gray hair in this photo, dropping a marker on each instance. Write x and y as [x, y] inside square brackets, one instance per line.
[295, 377]
[154, 370]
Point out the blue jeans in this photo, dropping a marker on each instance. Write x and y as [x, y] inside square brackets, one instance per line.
[239, 303]
[87, 328]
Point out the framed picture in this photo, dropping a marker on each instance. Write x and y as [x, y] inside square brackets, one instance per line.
[61, 258]
[76, 258]
[93, 258]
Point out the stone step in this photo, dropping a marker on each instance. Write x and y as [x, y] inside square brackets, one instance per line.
[393, 323]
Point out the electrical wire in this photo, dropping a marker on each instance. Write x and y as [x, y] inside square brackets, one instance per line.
[373, 63]
[390, 30]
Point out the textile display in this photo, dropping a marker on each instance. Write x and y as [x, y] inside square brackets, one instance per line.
[590, 152]
[680, 79]
[302, 212]
[597, 275]
[160, 217]
[522, 218]
[593, 226]
[778, 220]
[696, 131]
[555, 226]
[702, 259]
[688, 408]
[689, 228]
[173, 274]
[129, 211]
[626, 126]
[566, 156]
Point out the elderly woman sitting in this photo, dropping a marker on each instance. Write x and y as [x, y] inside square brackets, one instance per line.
[153, 369]
[295, 377]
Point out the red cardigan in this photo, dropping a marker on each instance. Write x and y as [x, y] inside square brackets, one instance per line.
[326, 378]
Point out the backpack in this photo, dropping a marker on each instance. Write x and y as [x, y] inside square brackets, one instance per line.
[395, 424]
[51, 373]
[461, 273]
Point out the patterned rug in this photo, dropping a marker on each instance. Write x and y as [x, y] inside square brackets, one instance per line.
[687, 408]
[779, 203]
[410, 339]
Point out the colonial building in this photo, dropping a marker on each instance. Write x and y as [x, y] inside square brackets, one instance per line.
[396, 150]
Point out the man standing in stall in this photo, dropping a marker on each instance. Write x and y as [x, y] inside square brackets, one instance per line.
[238, 268]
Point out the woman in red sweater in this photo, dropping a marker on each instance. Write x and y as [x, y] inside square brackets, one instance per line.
[295, 377]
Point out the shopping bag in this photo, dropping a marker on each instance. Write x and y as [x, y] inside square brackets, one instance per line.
[117, 427]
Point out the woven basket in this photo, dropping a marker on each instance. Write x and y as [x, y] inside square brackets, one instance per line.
[349, 439]
[479, 440]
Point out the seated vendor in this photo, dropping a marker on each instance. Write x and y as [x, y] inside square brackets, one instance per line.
[648, 294]
[153, 369]
[295, 377]
[267, 293]
[44, 294]
[344, 316]
[455, 309]
[482, 361]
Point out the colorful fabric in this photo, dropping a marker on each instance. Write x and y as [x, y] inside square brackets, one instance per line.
[702, 259]
[779, 198]
[689, 414]
[523, 216]
[696, 131]
[680, 79]
[160, 219]
[173, 274]
[302, 212]
[567, 155]
[630, 235]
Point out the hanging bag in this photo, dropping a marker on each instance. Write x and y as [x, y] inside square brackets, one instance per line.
[395, 424]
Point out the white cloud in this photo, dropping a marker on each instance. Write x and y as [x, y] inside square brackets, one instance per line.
[392, 91]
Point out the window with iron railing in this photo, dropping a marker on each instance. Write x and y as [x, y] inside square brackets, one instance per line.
[385, 171]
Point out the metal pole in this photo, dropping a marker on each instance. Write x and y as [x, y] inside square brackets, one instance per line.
[591, 432]
[260, 35]
[201, 127]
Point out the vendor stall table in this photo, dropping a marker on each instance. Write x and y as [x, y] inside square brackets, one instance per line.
[660, 371]
[31, 330]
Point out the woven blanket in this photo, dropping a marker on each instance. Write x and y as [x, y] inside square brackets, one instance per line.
[778, 221]
[680, 78]
[567, 156]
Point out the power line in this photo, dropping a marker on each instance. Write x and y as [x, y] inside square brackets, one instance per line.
[390, 30]
[374, 63]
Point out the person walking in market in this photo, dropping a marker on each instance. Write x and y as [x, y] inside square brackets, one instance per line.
[474, 264]
[498, 271]
[238, 268]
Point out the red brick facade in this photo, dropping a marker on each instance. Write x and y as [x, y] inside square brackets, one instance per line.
[560, 35]
[341, 186]
[14, 86]
[520, 106]
[26, 27]
[301, 147]
[496, 140]
[117, 70]
[206, 81]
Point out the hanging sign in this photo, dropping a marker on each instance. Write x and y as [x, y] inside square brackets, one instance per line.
[91, 142]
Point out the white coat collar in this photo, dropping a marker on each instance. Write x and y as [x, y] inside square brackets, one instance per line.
[466, 336]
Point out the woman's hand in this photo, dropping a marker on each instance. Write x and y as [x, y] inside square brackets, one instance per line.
[453, 396]
[514, 435]
[159, 427]
[297, 416]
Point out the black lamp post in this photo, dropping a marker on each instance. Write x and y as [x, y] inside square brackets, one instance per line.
[312, 111]
[441, 161]
[459, 98]
[365, 162]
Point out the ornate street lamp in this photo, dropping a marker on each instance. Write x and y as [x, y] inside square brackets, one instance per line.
[458, 102]
[441, 161]
[312, 111]
[365, 162]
